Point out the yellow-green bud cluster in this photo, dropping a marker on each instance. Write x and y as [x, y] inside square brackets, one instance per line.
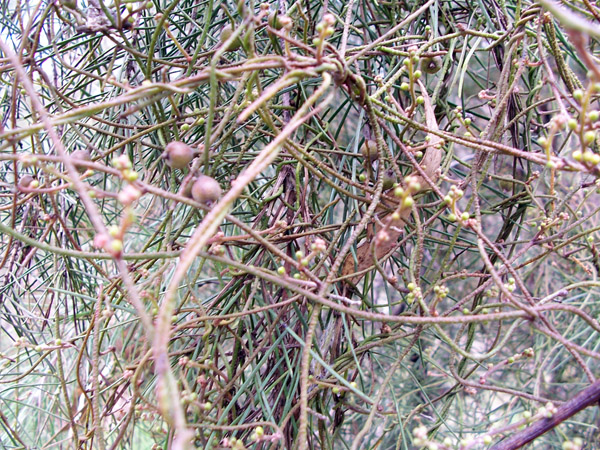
[547, 411]
[575, 444]
[412, 186]
[414, 293]
[258, 434]
[440, 291]
[324, 29]
[510, 286]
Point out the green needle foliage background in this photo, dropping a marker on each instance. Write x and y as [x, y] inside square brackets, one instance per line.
[403, 255]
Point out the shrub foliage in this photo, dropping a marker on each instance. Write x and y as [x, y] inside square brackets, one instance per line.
[375, 227]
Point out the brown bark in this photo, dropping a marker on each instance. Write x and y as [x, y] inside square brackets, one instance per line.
[589, 396]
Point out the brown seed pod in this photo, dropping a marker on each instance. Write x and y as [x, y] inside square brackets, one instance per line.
[389, 179]
[369, 150]
[25, 181]
[178, 155]
[431, 64]
[226, 33]
[187, 188]
[206, 190]
[83, 155]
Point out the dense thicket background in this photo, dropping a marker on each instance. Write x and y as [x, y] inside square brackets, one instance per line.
[403, 254]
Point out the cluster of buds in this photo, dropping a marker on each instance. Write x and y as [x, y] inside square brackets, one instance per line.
[148, 416]
[466, 121]
[112, 241]
[58, 343]
[318, 246]
[234, 443]
[585, 126]
[546, 143]
[412, 187]
[258, 434]
[510, 285]
[383, 235]
[440, 291]
[414, 293]
[420, 440]
[587, 157]
[575, 444]
[547, 411]
[123, 164]
[129, 194]
[325, 29]
[133, 9]
[111, 245]
[183, 361]
[487, 96]
[492, 292]
[527, 353]
[188, 397]
[420, 435]
[548, 222]
[411, 64]
[342, 389]
[451, 200]
[417, 151]
[217, 250]
[454, 195]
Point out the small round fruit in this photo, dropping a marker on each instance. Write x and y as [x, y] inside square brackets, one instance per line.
[431, 64]
[369, 150]
[226, 33]
[187, 190]
[25, 181]
[206, 190]
[83, 155]
[178, 155]
[389, 179]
